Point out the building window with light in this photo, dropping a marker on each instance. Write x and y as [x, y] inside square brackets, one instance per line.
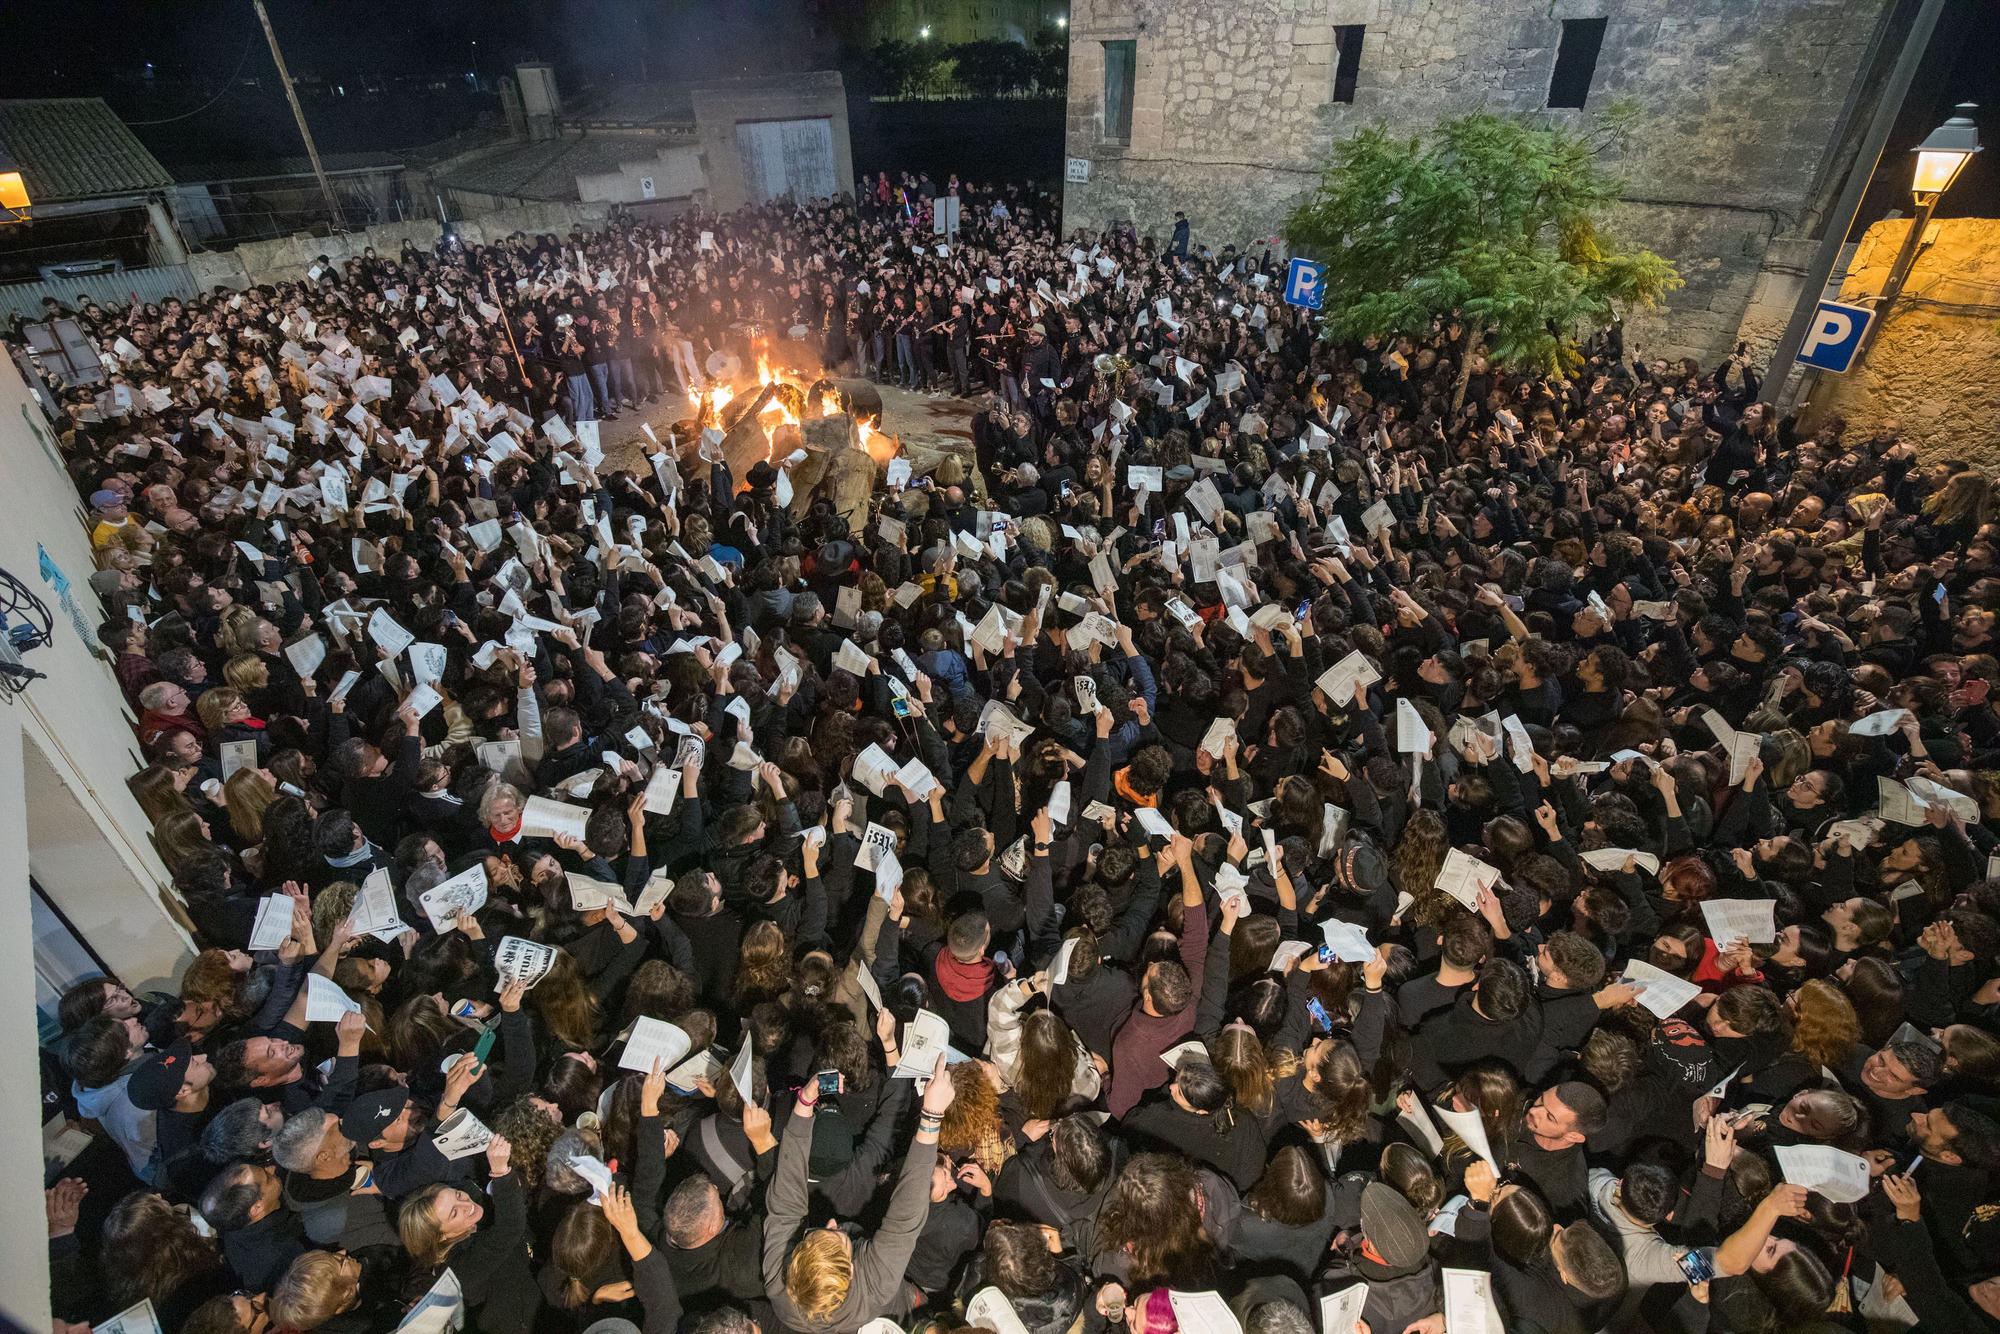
[1121, 60]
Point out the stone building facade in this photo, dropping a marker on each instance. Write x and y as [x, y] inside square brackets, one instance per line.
[1747, 114]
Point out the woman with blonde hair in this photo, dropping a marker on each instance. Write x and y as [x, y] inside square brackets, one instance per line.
[318, 1286]
[246, 796]
[246, 672]
[440, 1226]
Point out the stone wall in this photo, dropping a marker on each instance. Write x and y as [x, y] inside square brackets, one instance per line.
[286, 259]
[1930, 364]
[1233, 117]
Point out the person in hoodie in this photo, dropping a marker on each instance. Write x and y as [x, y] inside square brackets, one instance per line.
[103, 1055]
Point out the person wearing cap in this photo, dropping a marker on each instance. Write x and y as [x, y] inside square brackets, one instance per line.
[1392, 1255]
[1039, 362]
[114, 525]
[174, 1085]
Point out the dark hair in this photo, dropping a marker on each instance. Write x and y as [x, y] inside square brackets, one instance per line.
[1585, 1103]
[98, 1051]
[1291, 1190]
[1589, 1265]
[1503, 990]
[1648, 1191]
[1521, 1226]
[1079, 1157]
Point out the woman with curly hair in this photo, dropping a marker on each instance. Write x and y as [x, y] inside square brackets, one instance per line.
[976, 1125]
[1149, 1231]
[1413, 867]
[763, 967]
[1825, 1028]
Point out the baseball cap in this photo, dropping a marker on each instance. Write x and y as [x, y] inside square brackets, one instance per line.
[157, 1081]
[371, 1113]
[1391, 1227]
[106, 499]
[1040, 328]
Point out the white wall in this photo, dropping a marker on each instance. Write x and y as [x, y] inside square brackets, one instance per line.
[676, 174]
[66, 749]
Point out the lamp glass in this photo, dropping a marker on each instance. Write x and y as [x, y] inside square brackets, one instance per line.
[13, 190]
[1936, 170]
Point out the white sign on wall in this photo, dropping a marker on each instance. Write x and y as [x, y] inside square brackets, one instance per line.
[646, 187]
[1078, 170]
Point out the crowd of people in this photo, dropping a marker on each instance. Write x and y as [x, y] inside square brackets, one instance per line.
[1300, 837]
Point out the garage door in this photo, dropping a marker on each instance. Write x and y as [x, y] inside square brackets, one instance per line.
[787, 158]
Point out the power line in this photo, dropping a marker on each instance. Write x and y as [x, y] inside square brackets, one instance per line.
[227, 88]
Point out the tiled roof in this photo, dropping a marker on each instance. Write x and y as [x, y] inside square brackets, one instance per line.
[76, 148]
[547, 169]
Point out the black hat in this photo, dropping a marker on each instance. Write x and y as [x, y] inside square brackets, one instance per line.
[157, 1080]
[371, 1113]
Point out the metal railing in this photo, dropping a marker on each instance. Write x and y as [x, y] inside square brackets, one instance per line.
[154, 283]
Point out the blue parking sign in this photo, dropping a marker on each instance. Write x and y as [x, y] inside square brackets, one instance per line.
[1304, 284]
[1834, 337]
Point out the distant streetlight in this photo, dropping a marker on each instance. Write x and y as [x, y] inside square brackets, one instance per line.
[1061, 22]
[1940, 158]
[924, 32]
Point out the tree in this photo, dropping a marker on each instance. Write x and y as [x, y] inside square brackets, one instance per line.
[897, 69]
[1494, 220]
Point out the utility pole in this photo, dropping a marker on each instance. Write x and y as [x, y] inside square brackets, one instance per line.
[1841, 220]
[298, 114]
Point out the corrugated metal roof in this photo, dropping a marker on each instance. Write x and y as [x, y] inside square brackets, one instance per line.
[548, 169]
[73, 148]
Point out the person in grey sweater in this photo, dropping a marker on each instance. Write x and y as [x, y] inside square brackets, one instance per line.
[821, 1280]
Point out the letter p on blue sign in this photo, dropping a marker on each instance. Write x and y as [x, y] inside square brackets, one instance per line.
[1834, 336]
[1303, 284]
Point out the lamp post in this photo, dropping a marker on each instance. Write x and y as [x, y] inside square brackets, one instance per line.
[1940, 158]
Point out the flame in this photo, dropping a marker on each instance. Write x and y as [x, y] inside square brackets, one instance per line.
[829, 406]
[881, 446]
[764, 372]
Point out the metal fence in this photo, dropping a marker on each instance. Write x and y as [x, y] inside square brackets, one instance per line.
[109, 289]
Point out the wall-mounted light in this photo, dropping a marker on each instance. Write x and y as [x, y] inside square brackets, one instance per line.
[1943, 155]
[13, 189]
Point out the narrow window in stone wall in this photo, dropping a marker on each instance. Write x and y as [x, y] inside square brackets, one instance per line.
[1576, 62]
[1347, 46]
[1121, 61]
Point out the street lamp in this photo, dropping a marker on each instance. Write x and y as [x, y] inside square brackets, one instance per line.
[1943, 155]
[13, 189]
[924, 32]
[1940, 158]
